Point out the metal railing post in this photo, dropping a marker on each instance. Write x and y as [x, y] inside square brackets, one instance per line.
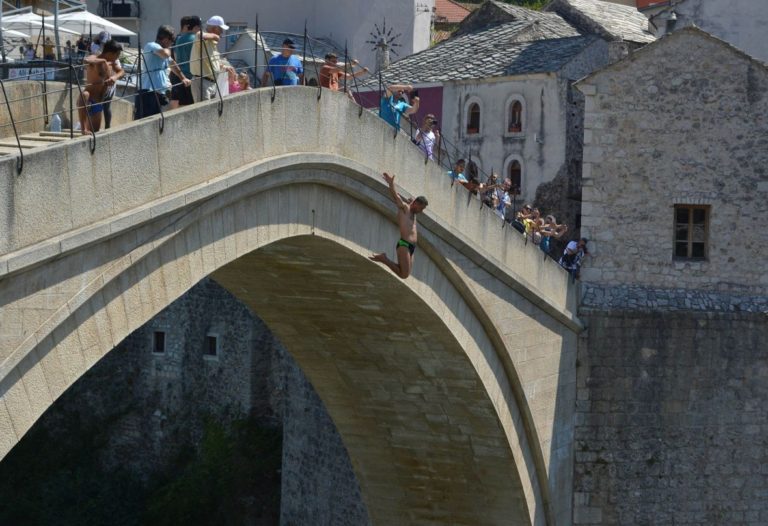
[202, 75]
[20, 161]
[304, 57]
[71, 100]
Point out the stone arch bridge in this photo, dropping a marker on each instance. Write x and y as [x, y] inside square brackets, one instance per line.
[453, 391]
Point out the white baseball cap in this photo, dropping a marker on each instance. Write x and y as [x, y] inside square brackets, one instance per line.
[217, 21]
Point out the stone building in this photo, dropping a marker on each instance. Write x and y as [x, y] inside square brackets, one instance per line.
[671, 377]
[740, 23]
[501, 89]
[675, 156]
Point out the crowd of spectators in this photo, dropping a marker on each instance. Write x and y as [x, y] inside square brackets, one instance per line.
[192, 79]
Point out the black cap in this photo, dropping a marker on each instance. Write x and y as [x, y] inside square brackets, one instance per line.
[289, 43]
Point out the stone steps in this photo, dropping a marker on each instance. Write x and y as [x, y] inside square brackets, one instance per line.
[28, 141]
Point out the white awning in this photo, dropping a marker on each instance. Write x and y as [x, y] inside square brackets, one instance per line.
[31, 21]
[84, 23]
[10, 33]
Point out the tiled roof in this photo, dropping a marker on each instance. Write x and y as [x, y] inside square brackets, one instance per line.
[549, 25]
[448, 12]
[494, 52]
[620, 21]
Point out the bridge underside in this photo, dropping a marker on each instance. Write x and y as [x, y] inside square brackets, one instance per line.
[419, 427]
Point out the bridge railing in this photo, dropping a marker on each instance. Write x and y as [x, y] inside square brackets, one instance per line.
[137, 75]
[39, 116]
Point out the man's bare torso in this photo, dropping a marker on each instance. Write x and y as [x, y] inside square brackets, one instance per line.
[96, 75]
[407, 222]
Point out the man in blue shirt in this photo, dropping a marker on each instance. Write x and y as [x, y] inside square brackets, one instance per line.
[285, 68]
[156, 58]
[393, 106]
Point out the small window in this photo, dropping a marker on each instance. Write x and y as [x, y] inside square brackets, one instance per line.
[158, 342]
[516, 176]
[515, 124]
[691, 231]
[473, 119]
[211, 345]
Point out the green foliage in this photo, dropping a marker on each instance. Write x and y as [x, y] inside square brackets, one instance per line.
[48, 481]
[232, 476]
[226, 482]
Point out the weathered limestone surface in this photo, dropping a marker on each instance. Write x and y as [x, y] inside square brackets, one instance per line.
[467, 367]
[149, 407]
[682, 121]
[671, 420]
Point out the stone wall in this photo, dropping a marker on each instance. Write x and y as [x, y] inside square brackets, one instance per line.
[672, 419]
[155, 404]
[740, 23]
[681, 121]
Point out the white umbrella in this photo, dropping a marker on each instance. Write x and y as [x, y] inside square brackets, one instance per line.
[10, 33]
[84, 22]
[33, 21]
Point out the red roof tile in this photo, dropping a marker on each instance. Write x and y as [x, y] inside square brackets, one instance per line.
[448, 12]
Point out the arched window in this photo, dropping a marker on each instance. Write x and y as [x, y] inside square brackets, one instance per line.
[515, 118]
[515, 175]
[473, 119]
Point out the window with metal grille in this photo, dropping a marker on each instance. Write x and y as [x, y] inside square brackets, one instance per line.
[691, 232]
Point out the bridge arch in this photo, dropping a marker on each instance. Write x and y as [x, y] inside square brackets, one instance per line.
[335, 212]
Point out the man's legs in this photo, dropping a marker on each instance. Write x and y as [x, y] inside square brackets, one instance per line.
[404, 262]
[84, 110]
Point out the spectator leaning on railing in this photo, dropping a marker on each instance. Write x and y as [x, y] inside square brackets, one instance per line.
[206, 61]
[393, 106]
[457, 174]
[550, 230]
[285, 69]
[154, 75]
[573, 255]
[331, 73]
[181, 94]
[428, 136]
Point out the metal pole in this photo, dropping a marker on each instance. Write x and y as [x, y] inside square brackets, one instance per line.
[256, 54]
[346, 60]
[2, 42]
[57, 39]
[202, 43]
[304, 54]
[45, 78]
[71, 106]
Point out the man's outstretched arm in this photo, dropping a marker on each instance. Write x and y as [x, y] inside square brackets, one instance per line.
[390, 179]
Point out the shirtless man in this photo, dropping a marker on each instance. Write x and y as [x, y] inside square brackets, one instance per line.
[101, 73]
[406, 219]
